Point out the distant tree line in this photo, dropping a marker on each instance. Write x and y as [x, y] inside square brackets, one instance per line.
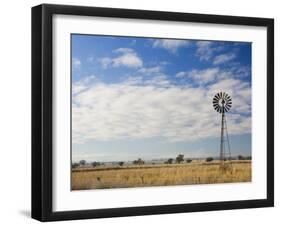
[179, 159]
[84, 163]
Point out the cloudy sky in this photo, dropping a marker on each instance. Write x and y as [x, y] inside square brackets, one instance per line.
[152, 98]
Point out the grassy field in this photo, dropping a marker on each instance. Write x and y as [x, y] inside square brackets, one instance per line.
[160, 175]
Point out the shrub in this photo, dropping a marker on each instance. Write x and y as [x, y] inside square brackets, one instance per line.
[209, 159]
[138, 162]
[82, 162]
[95, 164]
[169, 161]
[241, 157]
[179, 158]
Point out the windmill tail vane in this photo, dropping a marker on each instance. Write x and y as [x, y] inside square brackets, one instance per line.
[222, 103]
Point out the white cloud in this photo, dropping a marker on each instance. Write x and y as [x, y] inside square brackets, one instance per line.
[181, 74]
[105, 61]
[126, 57]
[204, 50]
[223, 58]
[205, 76]
[156, 109]
[124, 50]
[150, 70]
[82, 84]
[158, 81]
[240, 71]
[76, 63]
[170, 44]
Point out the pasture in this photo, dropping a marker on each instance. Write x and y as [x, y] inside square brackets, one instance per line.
[160, 175]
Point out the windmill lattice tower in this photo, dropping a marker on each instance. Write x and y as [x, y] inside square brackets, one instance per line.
[222, 103]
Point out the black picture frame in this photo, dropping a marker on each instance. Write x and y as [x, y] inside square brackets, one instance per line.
[42, 106]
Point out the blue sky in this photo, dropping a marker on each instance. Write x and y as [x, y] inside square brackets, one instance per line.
[152, 98]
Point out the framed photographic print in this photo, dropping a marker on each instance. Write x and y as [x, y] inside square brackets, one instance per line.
[145, 112]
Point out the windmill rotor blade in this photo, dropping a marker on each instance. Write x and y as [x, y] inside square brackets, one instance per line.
[228, 106]
[227, 103]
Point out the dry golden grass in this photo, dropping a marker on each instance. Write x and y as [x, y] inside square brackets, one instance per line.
[159, 175]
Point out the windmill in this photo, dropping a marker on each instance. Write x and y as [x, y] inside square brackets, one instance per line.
[222, 103]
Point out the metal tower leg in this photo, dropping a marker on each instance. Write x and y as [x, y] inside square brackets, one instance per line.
[225, 154]
[222, 138]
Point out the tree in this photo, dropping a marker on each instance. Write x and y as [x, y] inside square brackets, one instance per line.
[82, 162]
[188, 160]
[169, 161]
[120, 163]
[209, 159]
[179, 158]
[95, 164]
[138, 162]
[241, 157]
